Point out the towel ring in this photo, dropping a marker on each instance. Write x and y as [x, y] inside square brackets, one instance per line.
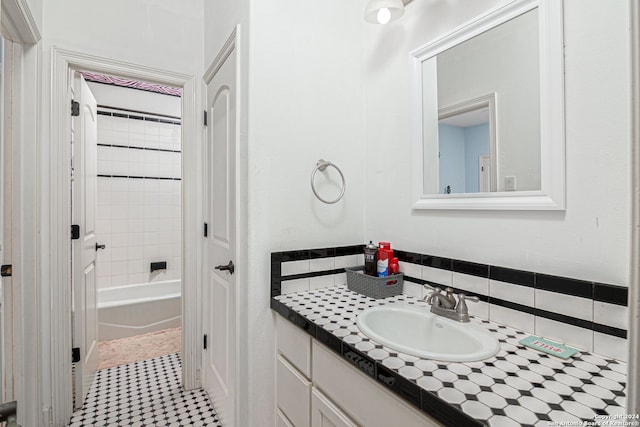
[321, 165]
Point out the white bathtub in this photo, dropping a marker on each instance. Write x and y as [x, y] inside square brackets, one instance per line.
[131, 310]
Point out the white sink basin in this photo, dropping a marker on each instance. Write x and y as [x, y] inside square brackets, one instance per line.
[418, 332]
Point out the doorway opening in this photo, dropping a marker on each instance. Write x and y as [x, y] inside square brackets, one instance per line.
[137, 289]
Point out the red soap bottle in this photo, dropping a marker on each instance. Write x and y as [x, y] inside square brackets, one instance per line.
[394, 268]
[385, 255]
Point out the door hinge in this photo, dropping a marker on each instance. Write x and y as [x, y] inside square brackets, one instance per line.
[204, 344]
[206, 229]
[6, 270]
[75, 354]
[75, 108]
[205, 117]
[75, 232]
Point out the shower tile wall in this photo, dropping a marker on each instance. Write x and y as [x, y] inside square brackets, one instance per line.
[139, 197]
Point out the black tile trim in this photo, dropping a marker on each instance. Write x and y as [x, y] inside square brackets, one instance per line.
[138, 111]
[411, 257]
[133, 147]
[509, 275]
[328, 339]
[136, 117]
[165, 178]
[471, 268]
[417, 281]
[610, 330]
[312, 274]
[322, 253]
[447, 414]
[436, 262]
[581, 323]
[512, 305]
[563, 285]
[611, 294]
[358, 359]
[400, 385]
[349, 250]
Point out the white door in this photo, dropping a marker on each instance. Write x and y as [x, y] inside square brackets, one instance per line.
[85, 315]
[484, 168]
[219, 293]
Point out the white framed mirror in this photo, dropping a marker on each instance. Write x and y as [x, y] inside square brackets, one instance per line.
[488, 106]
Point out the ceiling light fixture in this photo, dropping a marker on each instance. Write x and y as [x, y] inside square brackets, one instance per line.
[383, 11]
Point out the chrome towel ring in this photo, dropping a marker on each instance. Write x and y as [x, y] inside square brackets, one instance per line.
[321, 165]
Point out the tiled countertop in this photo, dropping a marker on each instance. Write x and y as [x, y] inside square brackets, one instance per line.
[518, 386]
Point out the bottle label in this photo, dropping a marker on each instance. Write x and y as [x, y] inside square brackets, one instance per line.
[383, 267]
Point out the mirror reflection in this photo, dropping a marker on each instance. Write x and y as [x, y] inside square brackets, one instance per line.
[481, 112]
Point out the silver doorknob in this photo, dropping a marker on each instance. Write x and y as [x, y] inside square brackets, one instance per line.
[229, 267]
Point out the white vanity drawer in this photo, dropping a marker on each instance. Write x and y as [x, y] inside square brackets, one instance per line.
[325, 413]
[281, 420]
[295, 345]
[367, 402]
[293, 393]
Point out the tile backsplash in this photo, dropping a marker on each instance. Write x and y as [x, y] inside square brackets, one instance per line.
[588, 315]
[139, 197]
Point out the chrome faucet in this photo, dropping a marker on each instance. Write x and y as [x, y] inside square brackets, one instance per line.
[447, 306]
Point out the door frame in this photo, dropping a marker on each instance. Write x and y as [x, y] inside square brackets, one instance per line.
[59, 314]
[633, 335]
[21, 307]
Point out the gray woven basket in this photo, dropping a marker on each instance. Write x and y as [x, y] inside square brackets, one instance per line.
[374, 287]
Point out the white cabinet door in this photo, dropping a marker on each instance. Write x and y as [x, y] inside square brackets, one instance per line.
[293, 393]
[281, 420]
[325, 413]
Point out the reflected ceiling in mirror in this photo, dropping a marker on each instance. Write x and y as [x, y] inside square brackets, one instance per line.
[483, 104]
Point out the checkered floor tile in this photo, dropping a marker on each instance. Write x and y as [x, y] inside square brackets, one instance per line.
[518, 386]
[146, 393]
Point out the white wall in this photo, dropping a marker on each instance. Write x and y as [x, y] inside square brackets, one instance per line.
[304, 102]
[133, 99]
[590, 240]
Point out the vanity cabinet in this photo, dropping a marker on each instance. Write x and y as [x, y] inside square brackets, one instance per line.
[317, 388]
[324, 413]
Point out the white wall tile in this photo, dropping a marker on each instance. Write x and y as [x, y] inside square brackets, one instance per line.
[119, 254]
[437, 275]
[479, 309]
[410, 269]
[119, 226]
[611, 346]
[569, 305]
[295, 267]
[467, 282]
[573, 336]
[523, 295]
[291, 286]
[322, 264]
[346, 261]
[412, 289]
[514, 318]
[340, 279]
[321, 282]
[610, 314]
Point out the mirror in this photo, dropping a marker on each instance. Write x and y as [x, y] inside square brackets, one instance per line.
[489, 109]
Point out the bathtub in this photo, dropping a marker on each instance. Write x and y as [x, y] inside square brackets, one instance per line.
[126, 311]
